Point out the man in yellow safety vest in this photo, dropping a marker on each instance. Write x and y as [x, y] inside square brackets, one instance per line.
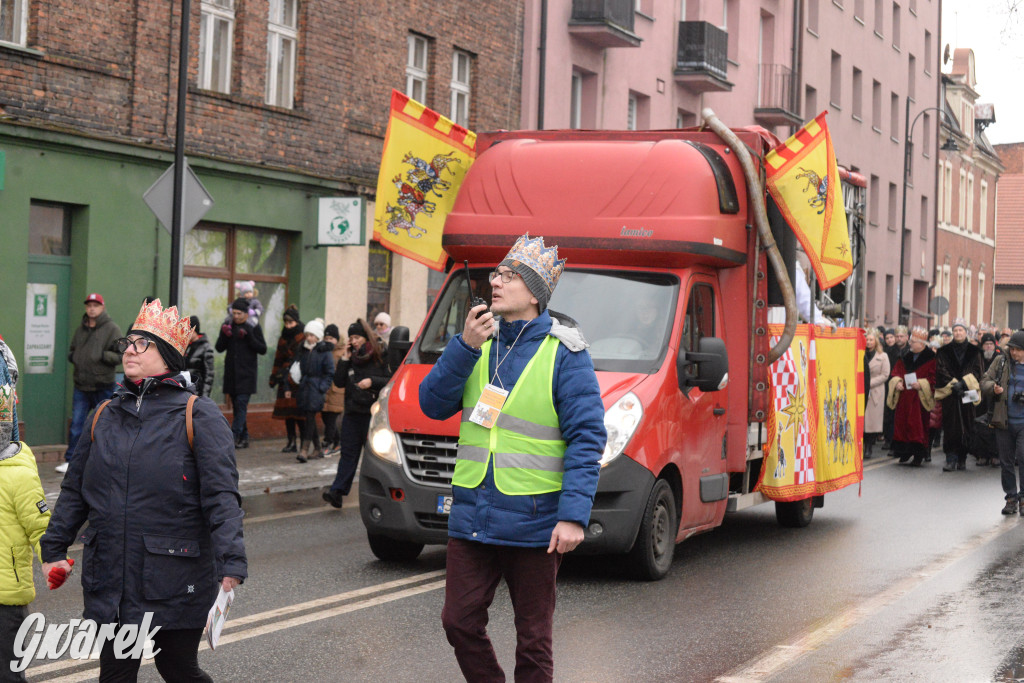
[530, 443]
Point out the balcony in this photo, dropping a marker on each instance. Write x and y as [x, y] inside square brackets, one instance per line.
[604, 23]
[702, 57]
[776, 103]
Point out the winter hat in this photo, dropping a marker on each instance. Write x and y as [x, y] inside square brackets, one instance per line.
[8, 400]
[946, 332]
[356, 328]
[194, 319]
[332, 331]
[539, 266]
[919, 334]
[245, 286]
[315, 327]
[1016, 340]
[960, 322]
[383, 317]
[290, 313]
[889, 331]
[240, 304]
[988, 337]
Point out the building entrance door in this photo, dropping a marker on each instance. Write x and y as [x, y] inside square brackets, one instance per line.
[43, 383]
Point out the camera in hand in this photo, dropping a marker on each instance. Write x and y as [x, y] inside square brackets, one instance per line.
[1018, 397]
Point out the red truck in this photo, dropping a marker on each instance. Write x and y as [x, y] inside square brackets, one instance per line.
[668, 279]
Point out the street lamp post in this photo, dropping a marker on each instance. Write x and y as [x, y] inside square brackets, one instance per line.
[908, 152]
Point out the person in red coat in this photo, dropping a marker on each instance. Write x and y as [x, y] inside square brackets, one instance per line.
[911, 387]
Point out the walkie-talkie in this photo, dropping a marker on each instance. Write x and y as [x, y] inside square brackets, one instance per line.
[476, 301]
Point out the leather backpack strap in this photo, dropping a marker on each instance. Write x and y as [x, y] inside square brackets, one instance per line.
[95, 418]
[188, 419]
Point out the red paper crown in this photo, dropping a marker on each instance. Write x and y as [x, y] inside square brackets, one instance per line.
[165, 323]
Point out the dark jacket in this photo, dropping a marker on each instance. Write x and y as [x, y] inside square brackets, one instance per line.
[288, 345]
[349, 373]
[94, 353]
[953, 362]
[485, 514]
[242, 346]
[999, 373]
[165, 521]
[199, 363]
[317, 365]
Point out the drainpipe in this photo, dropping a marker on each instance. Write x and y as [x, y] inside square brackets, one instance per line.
[542, 49]
[797, 57]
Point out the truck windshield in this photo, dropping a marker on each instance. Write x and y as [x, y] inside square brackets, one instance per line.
[626, 316]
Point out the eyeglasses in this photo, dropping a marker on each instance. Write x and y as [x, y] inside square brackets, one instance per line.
[506, 277]
[140, 344]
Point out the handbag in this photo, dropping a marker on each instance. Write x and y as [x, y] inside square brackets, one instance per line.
[295, 372]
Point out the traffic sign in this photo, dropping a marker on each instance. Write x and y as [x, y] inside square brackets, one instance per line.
[196, 201]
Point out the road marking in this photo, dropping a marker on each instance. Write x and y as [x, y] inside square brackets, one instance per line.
[245, 634]
[781, 657]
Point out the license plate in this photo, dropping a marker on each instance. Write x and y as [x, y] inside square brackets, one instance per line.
[444, 504]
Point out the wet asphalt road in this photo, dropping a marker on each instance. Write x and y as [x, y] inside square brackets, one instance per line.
[916, 577]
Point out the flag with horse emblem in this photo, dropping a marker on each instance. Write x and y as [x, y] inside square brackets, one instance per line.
[425, 158]
[814, 427]
[803, 178]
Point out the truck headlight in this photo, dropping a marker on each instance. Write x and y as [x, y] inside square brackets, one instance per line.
[383, 442]
[621, 421]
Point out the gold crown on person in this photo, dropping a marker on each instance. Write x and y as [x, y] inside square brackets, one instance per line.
[542, 260]
[165, 323]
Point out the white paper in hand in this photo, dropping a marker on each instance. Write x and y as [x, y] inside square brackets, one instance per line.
[218, 615]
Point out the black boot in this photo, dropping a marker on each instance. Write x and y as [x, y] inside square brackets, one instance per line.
[290, 446]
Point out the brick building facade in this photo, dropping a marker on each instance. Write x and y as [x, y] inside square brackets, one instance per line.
[1008, 309]
[287, 103]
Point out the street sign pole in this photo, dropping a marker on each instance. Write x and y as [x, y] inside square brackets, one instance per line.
[179, 160]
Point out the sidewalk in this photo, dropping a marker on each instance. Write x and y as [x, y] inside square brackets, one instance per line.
[262, 468]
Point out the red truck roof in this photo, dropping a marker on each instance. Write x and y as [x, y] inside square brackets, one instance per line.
[647, 198]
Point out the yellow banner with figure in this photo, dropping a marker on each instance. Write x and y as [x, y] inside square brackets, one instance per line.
[425, 158]
[816, 421]
[803, 178]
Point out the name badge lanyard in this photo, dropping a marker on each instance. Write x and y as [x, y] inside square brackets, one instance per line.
[492, 398]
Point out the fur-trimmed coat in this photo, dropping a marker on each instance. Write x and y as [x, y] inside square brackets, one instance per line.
[910, 422]
[956, 373]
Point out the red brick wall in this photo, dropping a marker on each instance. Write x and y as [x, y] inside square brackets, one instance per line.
[110, 68]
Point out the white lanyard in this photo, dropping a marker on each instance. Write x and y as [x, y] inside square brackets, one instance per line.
[499, 361]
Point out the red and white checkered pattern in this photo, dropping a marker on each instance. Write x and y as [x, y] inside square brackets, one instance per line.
[786, 380]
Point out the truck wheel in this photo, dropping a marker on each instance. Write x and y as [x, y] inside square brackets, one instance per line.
[795, 515]
[651, 555]
[393, 550]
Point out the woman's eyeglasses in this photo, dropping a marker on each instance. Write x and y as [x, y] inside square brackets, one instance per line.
[506, 277]
[140, 344]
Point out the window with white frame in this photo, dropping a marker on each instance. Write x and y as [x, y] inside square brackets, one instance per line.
[216, 39]
[942, 194]
[983, 210]
[13, 21]
[416, 68]
[461, 71]
[631, 113]
[944, 290]
[282, 40]
[959, 292]
[968, 300]
[983, 316]
[947, 194]
[969, 225]
[576, 101]
[962, 213]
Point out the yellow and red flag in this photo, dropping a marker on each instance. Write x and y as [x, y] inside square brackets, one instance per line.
[425, 159]
[803, 178]
[817, 414]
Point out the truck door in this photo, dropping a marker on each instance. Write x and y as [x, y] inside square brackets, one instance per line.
[705, 481]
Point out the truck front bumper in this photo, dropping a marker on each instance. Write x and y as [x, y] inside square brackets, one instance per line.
[622, 493]
[411, 515]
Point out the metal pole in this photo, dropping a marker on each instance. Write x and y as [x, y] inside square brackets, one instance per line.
[179, 159]
[900, 320]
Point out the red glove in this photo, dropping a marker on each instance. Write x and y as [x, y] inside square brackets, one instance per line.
[58, 575]
[225, 329]
[241, 332]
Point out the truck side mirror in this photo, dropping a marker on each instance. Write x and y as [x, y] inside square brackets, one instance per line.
[712, 363]
[398, 346]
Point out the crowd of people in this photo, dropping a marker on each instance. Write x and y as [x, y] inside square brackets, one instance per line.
[960, 389]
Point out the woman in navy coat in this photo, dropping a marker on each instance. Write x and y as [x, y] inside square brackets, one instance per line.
[316, 363]
[165, 520]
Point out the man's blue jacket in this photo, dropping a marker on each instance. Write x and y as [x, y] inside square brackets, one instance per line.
[485, 514]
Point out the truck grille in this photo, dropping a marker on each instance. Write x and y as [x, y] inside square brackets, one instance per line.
[431, 520]
[430, 459]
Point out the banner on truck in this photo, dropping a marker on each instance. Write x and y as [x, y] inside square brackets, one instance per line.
[816, 420]
[803, 178]
[425, 158]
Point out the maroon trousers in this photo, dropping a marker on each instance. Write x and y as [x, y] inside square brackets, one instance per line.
[474, 570]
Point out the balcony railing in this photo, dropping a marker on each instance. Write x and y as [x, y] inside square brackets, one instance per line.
[702, 56]
[605, 23]
[776, 97]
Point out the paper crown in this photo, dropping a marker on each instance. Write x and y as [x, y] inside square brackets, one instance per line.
[540, 259]
[165, 323]
[920, 334]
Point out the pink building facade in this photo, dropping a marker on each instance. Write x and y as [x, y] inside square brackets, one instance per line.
[650, 64]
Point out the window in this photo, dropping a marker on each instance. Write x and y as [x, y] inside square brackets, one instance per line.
[960, 292]
[871, 294]
[216, 37]
[896, 26]
[983, 210]
[944, 291]
[812, 16]
[858, 87]
[699, 321]
[894, 117]
[927, 50]
[631, 113]
[731, 24]
[49, 229]
[810, 102]
[982, 315]
[416, 69]
[1015, 314]
[576, 100]
[836, 89]
[13, 21]
[926, 135]
[874, 199]
[925, 225]
[969, 224]
[968, 299]
[461, 73]
[893, 204]
[217, 257]
[876, 106]
[942, 195]
[685, 119]
[947, 194]
[911, 77]
[638, 112]
[282, 38]
[858, 10]
[962, 213]
[890, 294]
[879, 13]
